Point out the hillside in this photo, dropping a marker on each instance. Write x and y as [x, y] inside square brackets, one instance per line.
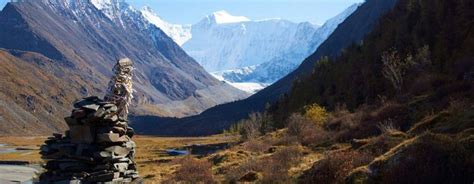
[218, 118]
[436, 62]
[397, 107]
[34, 91]
[82, 42]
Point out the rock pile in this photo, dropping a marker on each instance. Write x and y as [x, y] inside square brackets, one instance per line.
[97, 148]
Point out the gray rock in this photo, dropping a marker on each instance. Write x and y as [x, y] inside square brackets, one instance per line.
[111, 138]
[81, 134]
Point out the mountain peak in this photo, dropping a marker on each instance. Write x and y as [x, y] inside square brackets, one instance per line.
[179, 33]
[153, 17]
[101, 4]
[224, 17]
[148, 9]
[111, 8]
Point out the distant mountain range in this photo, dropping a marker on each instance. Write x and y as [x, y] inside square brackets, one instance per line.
[351, 31]
[57, 51]
[249, 54]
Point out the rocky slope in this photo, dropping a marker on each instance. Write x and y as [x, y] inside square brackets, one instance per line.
[82, 37]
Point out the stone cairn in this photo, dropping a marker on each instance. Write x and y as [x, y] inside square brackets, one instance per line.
[98, 147]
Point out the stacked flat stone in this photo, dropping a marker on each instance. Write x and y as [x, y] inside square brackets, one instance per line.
[97, 148]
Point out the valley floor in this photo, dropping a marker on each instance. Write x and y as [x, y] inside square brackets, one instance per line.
[155, 165]
[222, 156]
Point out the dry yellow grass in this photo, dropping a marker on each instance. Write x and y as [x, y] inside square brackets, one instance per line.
[154, 165]
[30, 144]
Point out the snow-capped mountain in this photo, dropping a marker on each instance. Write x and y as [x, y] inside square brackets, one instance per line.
[221, 41]
[285, 62]
[179, 33]
[223, 17]
[239, 50]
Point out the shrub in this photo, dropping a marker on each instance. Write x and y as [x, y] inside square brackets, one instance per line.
[256, 125]
[316, 113]
[383, 143]
[345, 120]
[393, 69]
[249, 128]
[277, 166]
[250, 166]
[392, 113]
[335, 167]
[306, 131]
[297, 124]
[272, 169]
[194, 171]
[366, 123]
[256, 146]
[387, 127]
[287, 140]
[275, 172]
[288, 155]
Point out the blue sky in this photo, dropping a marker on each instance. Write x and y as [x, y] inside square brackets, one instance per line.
[191, 11]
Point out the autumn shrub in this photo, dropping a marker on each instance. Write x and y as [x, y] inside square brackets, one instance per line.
[387, 127]
[397, 68]
[297, 123]
[275, 172]
[335, 167]
[288, 155]
[271, 169]
[277, 166]
[306, 131]
[255, 125]
[193, 171]
[383, 143]
[396, 114]
[368, 122]
[256, 146]
[317, 114]
[287, 140]
[250, 166]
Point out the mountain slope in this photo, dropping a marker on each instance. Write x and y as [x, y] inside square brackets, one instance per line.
[179, 33]
[214, 120]
[79, 37]
[35, 91]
